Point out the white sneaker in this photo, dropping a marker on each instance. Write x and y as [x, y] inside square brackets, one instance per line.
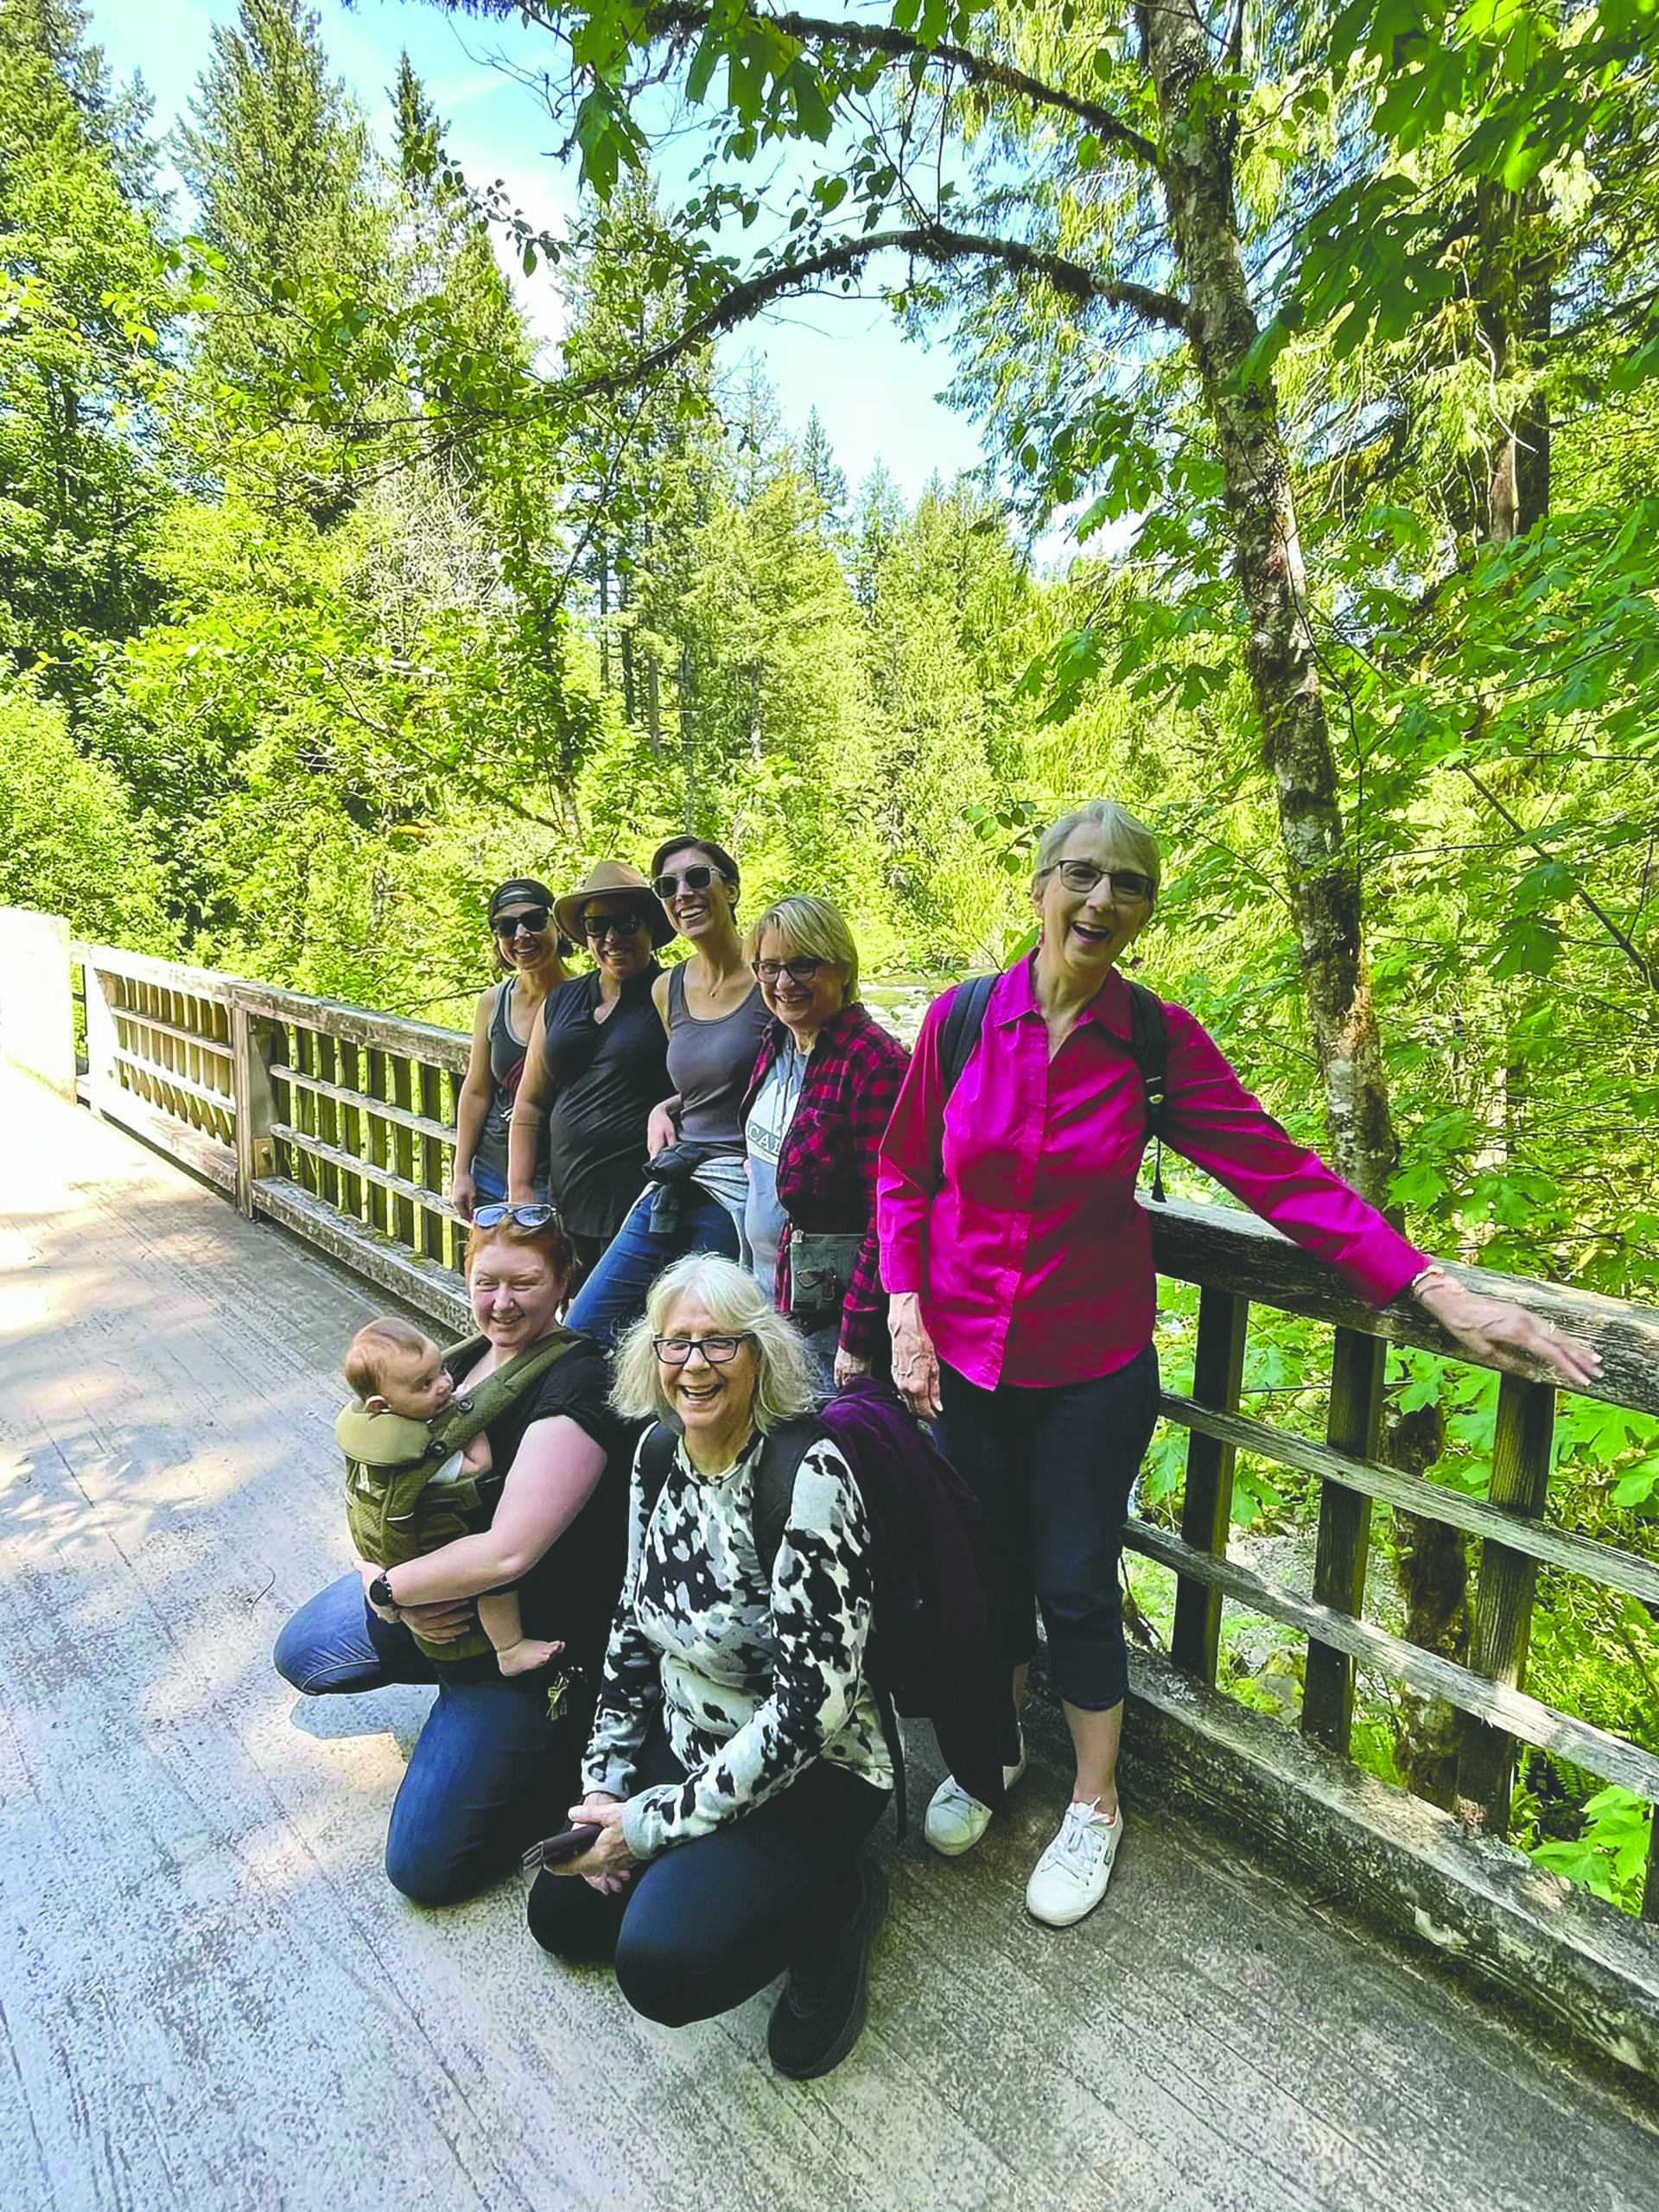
[955, 1822]
[1070, 1879]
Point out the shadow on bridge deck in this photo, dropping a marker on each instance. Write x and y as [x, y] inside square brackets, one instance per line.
[212, 1999]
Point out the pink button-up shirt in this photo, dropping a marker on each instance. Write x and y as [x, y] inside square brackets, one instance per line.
[1022, 1230]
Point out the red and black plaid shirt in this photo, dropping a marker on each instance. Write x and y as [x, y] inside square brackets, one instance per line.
[826, 1169]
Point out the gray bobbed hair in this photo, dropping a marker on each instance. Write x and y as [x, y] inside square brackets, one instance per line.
[738, 1307]
[1132, 838]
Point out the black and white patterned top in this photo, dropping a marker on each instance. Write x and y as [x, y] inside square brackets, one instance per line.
[755, 1679]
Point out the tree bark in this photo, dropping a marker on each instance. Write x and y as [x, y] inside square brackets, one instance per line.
[1196, 166]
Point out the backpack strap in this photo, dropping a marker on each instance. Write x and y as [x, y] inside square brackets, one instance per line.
[482, 1403]
[1149, 1049]
[964, 1022]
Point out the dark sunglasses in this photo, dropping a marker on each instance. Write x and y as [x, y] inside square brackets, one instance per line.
[533, 919]
[604, 926]
[695, 879]
[798, 971]
[526, 1216]
[674, 1351]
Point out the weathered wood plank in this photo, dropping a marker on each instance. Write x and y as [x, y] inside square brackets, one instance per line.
[1207, 1496]
[1540, 1725]
[165, 1079]
[1562, 1547]
[420, 1125]
[420, 1040]
[164, 974]
[196, 1149]
[1345, 1533]
[179, 1033]
[1235, 1251]
[329, 1158]
[417, 1282]
[1502, 1629]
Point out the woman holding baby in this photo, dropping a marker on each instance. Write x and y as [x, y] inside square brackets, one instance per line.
[495, 1766]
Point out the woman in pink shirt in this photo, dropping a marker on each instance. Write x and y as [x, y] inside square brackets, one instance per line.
[1023, 1295]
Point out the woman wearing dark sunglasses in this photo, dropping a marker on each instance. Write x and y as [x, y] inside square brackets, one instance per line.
[597, 1063]
[711, 1007]
[529, 955]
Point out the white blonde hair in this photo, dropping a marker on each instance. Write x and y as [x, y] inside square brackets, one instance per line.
[739, 1307]
[813, 926]
[1132, 837]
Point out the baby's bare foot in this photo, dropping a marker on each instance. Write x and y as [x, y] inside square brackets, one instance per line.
[524, 1656]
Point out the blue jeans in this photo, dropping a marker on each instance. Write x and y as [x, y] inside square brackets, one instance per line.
[490, 1773]
[1053, 1469]
[489, 1185]
[615, 1293]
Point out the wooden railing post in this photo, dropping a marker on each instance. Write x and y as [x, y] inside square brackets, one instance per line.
[1502, 1629]
[1357, 1373]
[1207, 1499]
[256, 1047]
[103, 1071]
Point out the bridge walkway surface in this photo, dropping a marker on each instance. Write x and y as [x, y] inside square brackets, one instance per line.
[212, 1999]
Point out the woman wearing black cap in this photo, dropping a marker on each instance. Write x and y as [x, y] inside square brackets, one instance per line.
[711, 1007]
[529, 952]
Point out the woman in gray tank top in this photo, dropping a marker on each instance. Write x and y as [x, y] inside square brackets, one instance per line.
[529, 952]
[711, 1007]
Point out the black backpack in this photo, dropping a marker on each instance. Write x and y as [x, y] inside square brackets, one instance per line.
[1148, 1048]
[929, 1648]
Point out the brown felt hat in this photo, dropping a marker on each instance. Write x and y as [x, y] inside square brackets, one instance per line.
[611, 879]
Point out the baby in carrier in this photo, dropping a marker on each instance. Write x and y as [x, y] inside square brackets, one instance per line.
[413, 1463]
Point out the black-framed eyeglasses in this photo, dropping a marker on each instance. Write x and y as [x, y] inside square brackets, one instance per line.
[695, 879]
[597, 927]
[533, 919]
[1083, 875]
[526, 1216]
[798, 971]
[718, 1351]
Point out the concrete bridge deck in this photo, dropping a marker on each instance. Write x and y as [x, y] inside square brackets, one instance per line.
[210, 1998]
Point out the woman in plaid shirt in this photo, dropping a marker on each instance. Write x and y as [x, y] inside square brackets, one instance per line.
[817, 1107]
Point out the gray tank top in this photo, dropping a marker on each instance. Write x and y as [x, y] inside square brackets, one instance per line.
[709, 1063]
[506, 1067]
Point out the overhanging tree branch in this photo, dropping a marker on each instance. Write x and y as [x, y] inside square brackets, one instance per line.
[931, 242]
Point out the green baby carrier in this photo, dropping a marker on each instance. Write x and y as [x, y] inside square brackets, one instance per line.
[397, 1509]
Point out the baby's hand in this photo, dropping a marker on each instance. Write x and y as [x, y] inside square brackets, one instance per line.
[475, 1459]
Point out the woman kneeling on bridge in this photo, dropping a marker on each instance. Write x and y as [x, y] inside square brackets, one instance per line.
[499, 1757]
[737, 1765]
[1023, 1294]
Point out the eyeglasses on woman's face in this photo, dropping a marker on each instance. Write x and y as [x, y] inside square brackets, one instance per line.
[531, 920]
[1128, 888]
[798, 971]
[674, 1351]
[597, 928]
[692, 878]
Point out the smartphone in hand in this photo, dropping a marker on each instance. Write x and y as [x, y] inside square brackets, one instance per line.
[559, 1850]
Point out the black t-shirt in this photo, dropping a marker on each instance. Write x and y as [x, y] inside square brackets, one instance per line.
[606, 1076]
[570, 1592]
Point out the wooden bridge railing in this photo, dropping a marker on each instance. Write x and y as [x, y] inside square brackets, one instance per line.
[339, 1125]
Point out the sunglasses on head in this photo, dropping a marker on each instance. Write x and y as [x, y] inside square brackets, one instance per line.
[531, 918]
[597, 927]
[695, 879]
[525, 1216]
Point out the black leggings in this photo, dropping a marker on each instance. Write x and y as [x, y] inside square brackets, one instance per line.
[710, 1922]
[1053, 1469]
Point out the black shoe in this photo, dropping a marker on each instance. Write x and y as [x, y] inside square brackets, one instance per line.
[820, 2015]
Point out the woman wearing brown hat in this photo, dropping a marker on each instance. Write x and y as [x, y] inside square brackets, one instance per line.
[528, 954]
[597, 1064]
[711, 1007]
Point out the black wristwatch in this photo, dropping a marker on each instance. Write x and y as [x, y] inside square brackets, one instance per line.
[380, 1595]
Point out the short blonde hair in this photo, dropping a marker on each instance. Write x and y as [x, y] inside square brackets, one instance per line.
[375, 1347]
[737, 1304]
[812, 927]
[1133, 837]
